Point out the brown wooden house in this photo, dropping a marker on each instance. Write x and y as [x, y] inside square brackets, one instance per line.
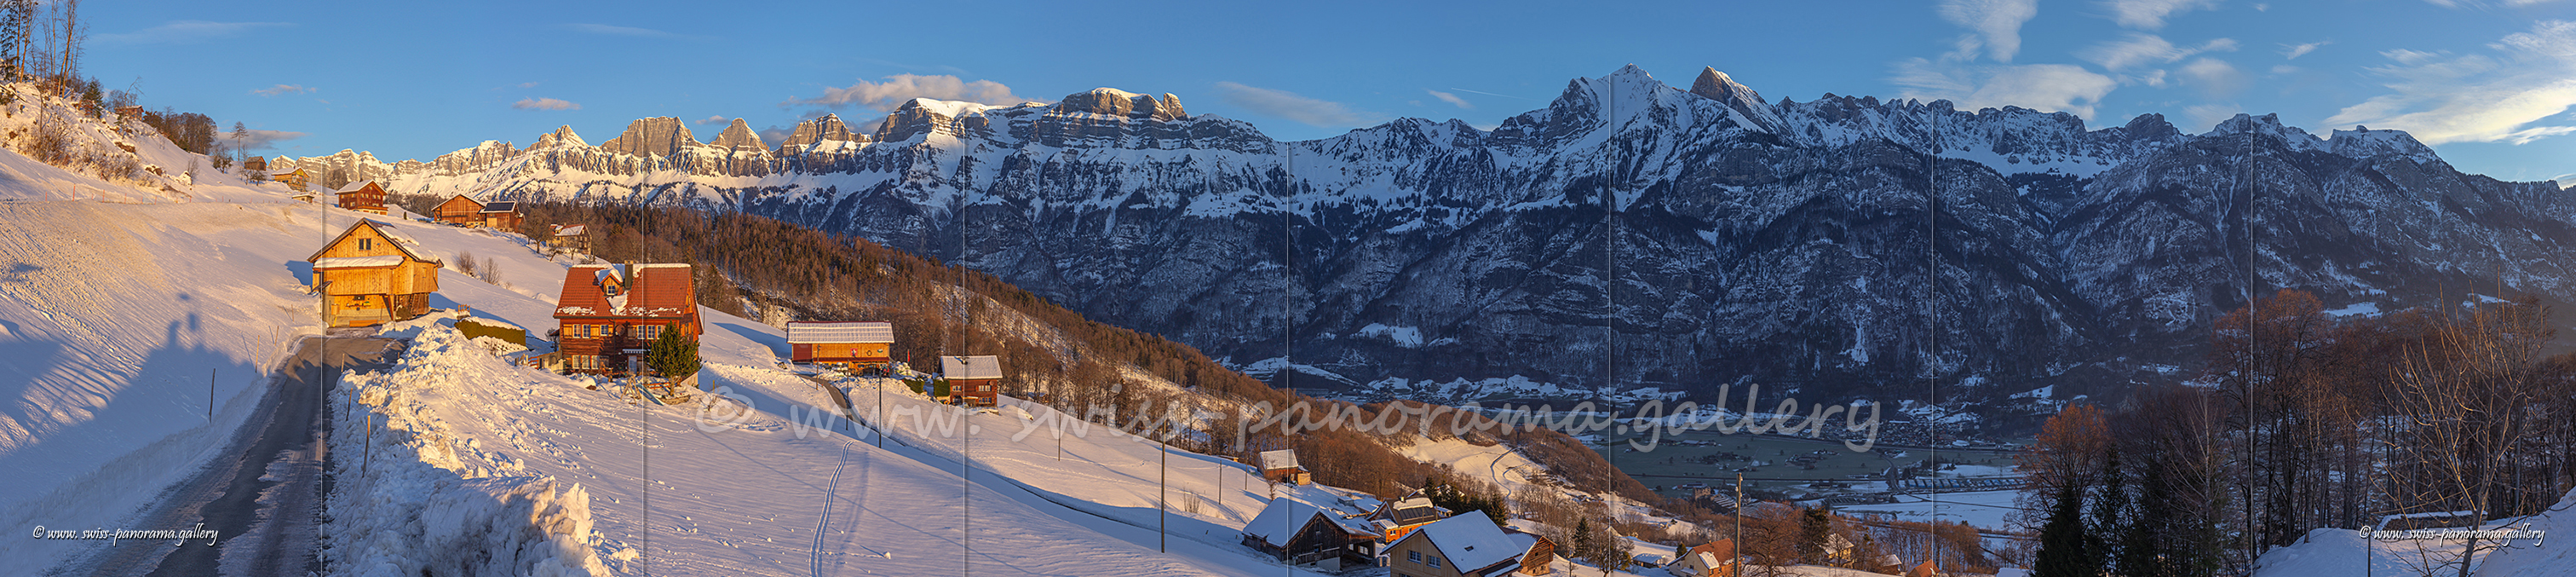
[1281, 467]
[500, 214]
[459, 211]
[1541, 556]
[1305, 535]
[1461, 546]
[576, 237]
[294, 177]
[609, 314]
[973, 381]
[853, 345]
[1705, 560]
[371, 275]
[254, 166]
[362, 197]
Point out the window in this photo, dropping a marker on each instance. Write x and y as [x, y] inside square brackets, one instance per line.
[1433, 561]
[366, 244]
[1414, 556]
[648, 332]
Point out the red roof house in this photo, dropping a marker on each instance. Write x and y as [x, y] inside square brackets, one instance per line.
[610, 313]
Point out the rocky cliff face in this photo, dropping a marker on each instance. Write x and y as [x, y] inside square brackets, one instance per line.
[1627, 235]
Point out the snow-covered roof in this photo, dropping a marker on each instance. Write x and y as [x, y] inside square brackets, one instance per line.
[800, 333]
[975, 367]
[355, 186]
[1280, 459]
[574, 230]
[359, 261]
[1280, 521]
[1470, 542]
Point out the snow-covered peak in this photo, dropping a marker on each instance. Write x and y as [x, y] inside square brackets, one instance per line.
[2362, 142]
[1742, 99]
[2267, 125]
[560, 137]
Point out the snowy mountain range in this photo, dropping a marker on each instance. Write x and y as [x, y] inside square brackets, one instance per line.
[1630, 234]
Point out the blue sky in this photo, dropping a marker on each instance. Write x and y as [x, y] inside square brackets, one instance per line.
[2489, 82]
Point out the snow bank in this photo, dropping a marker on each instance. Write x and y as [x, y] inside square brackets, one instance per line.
[2546, 557]
[412, 502]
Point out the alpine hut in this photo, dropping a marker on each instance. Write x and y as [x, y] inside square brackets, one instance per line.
[853, 345]
[371, 275]
[973, 381]
[609, 314]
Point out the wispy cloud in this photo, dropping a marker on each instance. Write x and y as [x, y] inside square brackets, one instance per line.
[2503, 96]
[1450, 98]
[1996, 25]
[282, 89]
[2139, 48]
[2294, 51]
[1453, 89]
[527, 85]
[544, 104]
[1289, 105]
[630, 31]
[715, 120]
[2151, 14]
[2046, 87]
[2215, 78]
[901, 88]
[182, 32]
[264, 139]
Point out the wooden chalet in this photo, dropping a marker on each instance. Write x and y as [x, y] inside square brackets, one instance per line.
[1313, 537]
[1926, 569]
[1541, 555]
[973, 381]
[371, 275]
[1706, 560]
[1281, 467]
[1461, 546]
[459, 211]
[853, 345]
[609, 314]
[294, 177]
[1394, 519]
[500, 214]
[575, 237]
[362, 197]
[254, 165]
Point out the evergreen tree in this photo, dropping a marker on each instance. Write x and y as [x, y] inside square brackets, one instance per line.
[1584, 547]
[1817, 523]
[2139, 554]
[2063, 541]
[2111, 515]
[673, 355]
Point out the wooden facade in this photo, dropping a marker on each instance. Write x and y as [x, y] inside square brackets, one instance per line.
[609, 314]
[362, 197]
[371, 275]
[1305, 535]
[500, 214]
[853, 345]
[576, 237]
[295, 178]
[973, 381]
[459, 211]
[1281, 466]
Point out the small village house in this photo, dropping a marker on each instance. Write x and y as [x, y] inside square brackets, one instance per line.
[576, 237]
[371, 275]
[1706, 560]
[459, 210]
[294, 177]
[254, 166]
[362, 197]
[853, 345]
[1306, 535]
[1542, 554]
[1393, 519]
[1461, 546]
[973, 381]
[500, 214]
[1926, 569]
[609, 314]
[1281, 467]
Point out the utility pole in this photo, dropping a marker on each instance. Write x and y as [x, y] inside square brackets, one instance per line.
[210, 395]
[1735, 553]
[1163, 497]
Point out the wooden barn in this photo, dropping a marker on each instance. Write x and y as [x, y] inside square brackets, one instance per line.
[292, 176]
[853, 345]
[1281, 467]
[500, 214]
[254, 165]
[1305, 535]
[459, 211]
[362, 197]
[609, 314]
[371, 275]
[973, 381]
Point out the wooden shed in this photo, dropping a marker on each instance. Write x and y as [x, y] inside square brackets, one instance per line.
[459, 211]
[610, 313]
[371, 275]
[293, 177]
[1281, 467]
[853, 345]
[974, 381]
[362, 197]
[500, 214]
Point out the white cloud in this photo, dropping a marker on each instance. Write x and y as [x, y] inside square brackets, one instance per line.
[900, 88]
[1450, 98]
[629, 31]
[1997, 24]
[282, 89]
[544, 104]
[1289, 105]
[715, 120]
[2477, 98]
[2215, 78]
[2140, 48]
[2281, 69]
[2294, 51]
[2045, 87]
[2151, 14]
[183, 31]
[262, 139]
